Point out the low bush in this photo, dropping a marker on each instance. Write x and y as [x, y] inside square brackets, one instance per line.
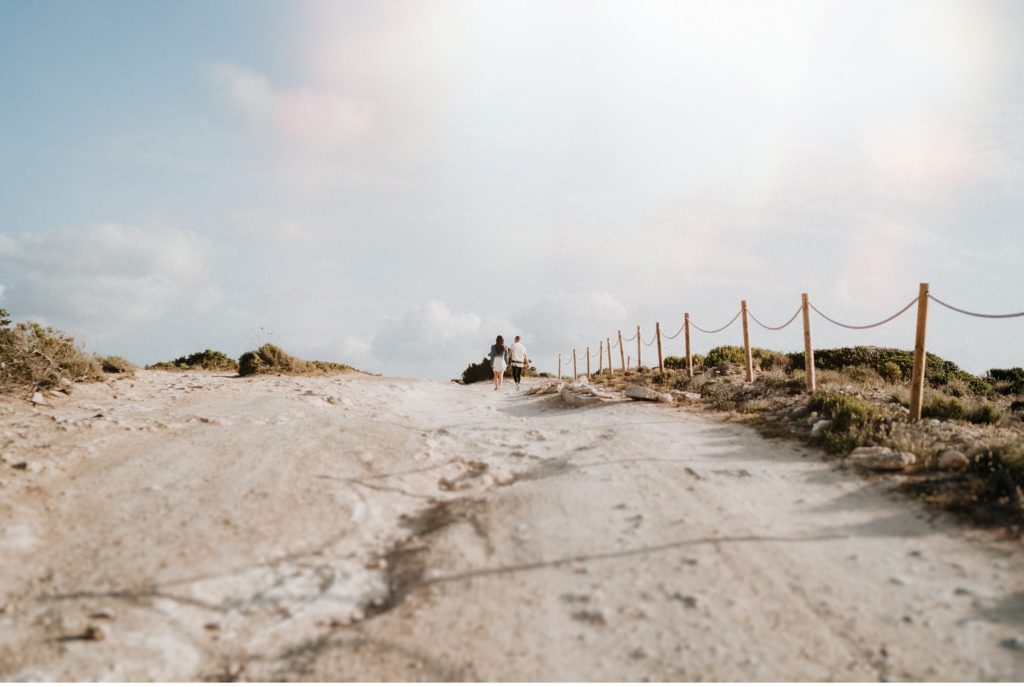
[113, 364]
[202, 360]
[724, 355]
[1007, 381]
[999, 469]
[720, 396]
[39, 357]
[271, 359]
[983, 414]
[673, 362]
[479, 372]
[769, 360]
[663, 378]
[854, 421]
[942, 407]
[885, 361]
[890, 372]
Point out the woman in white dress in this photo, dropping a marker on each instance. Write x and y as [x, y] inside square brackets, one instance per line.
[499, 361]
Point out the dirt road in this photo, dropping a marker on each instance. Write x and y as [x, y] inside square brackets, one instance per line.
[196, 526]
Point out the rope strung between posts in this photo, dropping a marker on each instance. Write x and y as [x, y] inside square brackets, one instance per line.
[630, 338]
[975, 314]
[720, 329]
[865, 326]
[775, 329]
[651, 342]
[615, 344]
[666, 336]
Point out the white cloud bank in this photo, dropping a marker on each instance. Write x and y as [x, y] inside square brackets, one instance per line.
[105, 279]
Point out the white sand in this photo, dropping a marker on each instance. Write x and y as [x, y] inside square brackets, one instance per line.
[214, 527]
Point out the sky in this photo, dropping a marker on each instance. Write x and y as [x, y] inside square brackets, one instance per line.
[393, 184]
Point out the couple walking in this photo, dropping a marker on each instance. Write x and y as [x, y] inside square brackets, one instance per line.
[501, 356]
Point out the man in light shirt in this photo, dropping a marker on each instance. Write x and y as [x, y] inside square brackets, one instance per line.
[519, 359]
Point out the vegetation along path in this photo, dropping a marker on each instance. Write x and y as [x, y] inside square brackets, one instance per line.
[197, 525]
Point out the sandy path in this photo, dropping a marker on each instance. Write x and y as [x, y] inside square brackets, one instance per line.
[373, 528]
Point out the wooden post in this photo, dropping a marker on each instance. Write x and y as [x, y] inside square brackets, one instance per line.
[559, 367]
[574, 375]
[639, 342]
[689, 358]
[622, 353]
[920, 357]
[588, 362]
[748, 359]
[812, 384]
[608, 345]
[661, 360]
[600, 357]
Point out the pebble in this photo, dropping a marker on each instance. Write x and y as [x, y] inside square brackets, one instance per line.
[94, 634]
[1012, 643]
[819, 427]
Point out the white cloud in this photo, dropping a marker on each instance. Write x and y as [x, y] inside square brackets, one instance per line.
[313, 129]
[313, 117]
[99, 278]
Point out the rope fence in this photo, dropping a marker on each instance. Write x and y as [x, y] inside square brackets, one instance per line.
[805, 309]
[720, 329]
[975, 314]
[780, 327]
[866, 326]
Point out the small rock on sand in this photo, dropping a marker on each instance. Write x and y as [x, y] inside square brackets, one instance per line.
[881, 458]
[642, 393]
[951, 459]
[820, 426]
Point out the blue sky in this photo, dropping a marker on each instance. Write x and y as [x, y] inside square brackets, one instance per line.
[392, 184]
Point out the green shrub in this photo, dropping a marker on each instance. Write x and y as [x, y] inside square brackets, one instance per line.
[663, 377]
[768, 360]
[999, 469]
[673, 362]
[720, 396]
[1007, 381]
[938, 372]
[854, 421]
[479, 372]
[890, 372]
[113, 364]
[983, 414]
[724, 355]
[203, 360]
[942, 407]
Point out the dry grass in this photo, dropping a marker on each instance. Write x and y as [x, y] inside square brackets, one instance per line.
[37, 357]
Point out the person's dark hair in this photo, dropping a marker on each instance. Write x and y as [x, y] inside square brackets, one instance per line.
[499, 343]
